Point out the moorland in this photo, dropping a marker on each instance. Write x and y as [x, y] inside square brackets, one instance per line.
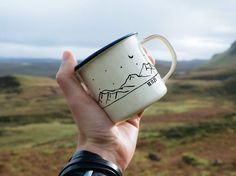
[189, 132]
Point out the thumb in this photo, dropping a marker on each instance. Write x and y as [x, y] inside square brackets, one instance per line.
[68, 63]
[66, 79]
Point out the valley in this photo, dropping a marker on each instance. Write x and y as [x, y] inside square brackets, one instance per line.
[189, 132]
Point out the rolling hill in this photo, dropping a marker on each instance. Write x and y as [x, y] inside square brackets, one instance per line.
[29, 66]
[26, 99]
[227, 58]
[221, 67]
[196, 117]
[49, 67]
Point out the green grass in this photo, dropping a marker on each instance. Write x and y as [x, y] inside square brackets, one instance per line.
[201, 129]
[38, 118]
[20, 107]
[152, 131]
[40, 100]
[195, 161]
[27, 136]
[28, 81]
[179, 105]
[225, 58]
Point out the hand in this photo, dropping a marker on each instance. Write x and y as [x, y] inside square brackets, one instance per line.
[97, 133]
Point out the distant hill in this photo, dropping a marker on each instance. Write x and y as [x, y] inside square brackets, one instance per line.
[182, 66]
[34, 67]
[226, 58]
[221, 66]
[49, 67]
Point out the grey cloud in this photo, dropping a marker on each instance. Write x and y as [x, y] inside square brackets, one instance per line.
[95, 23]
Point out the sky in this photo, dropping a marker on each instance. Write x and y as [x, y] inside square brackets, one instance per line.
[45, 28]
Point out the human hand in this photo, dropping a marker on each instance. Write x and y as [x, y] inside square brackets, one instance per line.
[97, 133]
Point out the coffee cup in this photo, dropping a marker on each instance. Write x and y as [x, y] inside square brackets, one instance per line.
[122, 79]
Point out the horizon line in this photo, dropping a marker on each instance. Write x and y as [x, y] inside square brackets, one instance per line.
[55, 58]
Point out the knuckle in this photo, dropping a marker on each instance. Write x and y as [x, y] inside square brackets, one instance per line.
[60, 78]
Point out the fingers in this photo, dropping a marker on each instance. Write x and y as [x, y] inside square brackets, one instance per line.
[135, 120]
[66, 79]
[153, 61]
[141, 114]
[67, 68]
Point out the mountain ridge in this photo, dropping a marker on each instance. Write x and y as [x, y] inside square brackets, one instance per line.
[133, 81]
[49, 67]
[226, 58]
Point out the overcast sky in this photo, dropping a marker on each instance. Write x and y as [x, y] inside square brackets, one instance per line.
[44, 28]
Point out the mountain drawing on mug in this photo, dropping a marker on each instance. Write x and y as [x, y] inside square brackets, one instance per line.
[131, 83]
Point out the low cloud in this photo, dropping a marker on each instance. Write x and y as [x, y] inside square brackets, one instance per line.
[52, 52]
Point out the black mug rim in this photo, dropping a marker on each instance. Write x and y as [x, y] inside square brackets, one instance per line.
[92, 56]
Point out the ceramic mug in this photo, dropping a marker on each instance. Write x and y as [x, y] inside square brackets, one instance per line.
[121, 77]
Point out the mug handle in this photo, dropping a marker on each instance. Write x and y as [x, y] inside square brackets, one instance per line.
[172, 51]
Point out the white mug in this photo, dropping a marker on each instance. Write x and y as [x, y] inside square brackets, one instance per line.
[121, 77]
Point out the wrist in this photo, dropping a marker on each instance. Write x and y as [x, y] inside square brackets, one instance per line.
[106, 154]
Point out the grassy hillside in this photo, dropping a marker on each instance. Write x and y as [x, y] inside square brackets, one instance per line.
[191, 131]
[218, 82]
[221, 68]
[27, 99]
[226, 58]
